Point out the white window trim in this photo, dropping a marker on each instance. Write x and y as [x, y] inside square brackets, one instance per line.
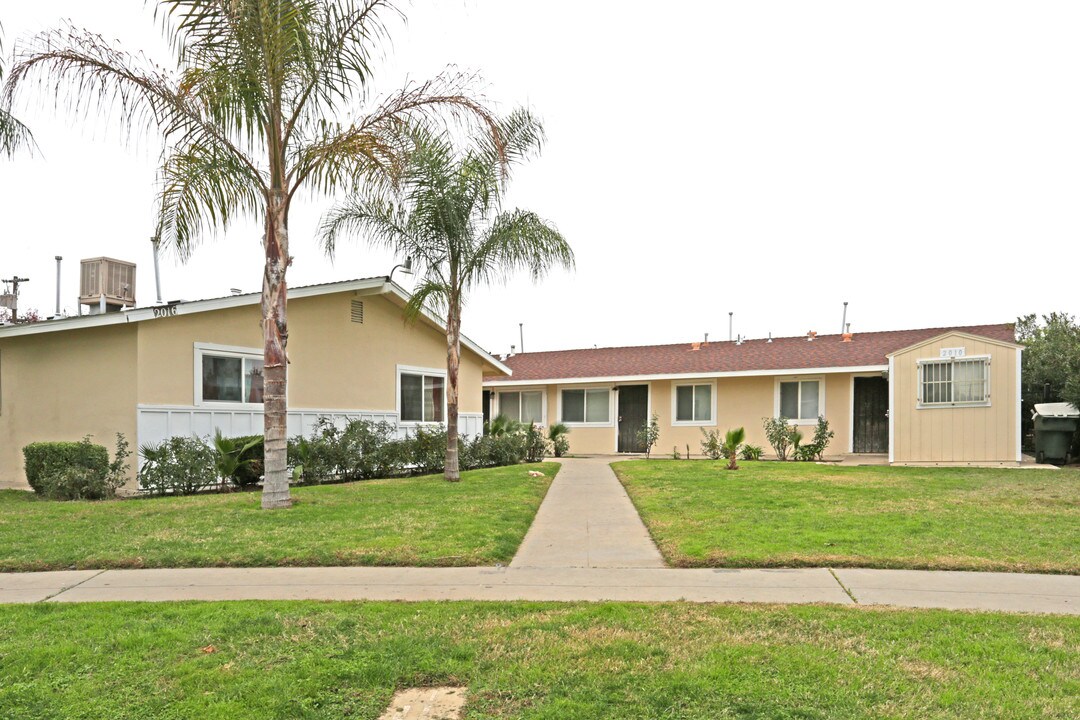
[611, 405]
[227, 351]
[820, 379]
[675, 422]
[919, 364]
[413, 370]
[543, 400]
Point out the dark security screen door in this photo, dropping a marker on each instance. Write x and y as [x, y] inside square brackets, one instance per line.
[633, 414]
[871, 415]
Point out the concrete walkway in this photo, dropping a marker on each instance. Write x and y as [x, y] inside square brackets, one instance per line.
[1009, 592]
[587, 521]
[587, 544]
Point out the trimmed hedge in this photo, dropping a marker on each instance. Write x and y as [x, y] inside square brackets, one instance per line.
[45, 460]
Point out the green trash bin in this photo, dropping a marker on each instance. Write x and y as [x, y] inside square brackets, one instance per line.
[1055, 427]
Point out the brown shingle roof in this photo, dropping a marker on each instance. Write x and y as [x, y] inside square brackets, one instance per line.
[792, 353]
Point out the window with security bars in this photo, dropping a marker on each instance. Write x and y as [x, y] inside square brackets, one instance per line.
[954, 382]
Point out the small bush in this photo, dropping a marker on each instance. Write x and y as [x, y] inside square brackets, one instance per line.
[179, 465]
[712, 445]
[427, 449]
[560, 443]
[77, 473]
[780, 434]
[536, 445]
[47, 459]
[240, 459]
[649, 434]
[750, 452]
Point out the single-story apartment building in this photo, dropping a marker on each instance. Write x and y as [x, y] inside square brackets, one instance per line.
[194, 367]
[936, 396]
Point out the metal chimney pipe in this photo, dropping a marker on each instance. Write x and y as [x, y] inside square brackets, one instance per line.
[58, 259]
[730, 325]
[156, 240]
[843, 323]
[521, 335]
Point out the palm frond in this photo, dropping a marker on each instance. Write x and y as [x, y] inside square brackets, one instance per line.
[428, 295]
[520, 240]
[203, 189]
[101, 78]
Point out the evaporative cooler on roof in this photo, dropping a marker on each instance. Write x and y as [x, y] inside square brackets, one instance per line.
[106, 284]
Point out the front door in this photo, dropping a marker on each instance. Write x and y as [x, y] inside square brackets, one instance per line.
[633, 414]
[871, 415]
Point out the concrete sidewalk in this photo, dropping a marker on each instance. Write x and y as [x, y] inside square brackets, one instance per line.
[1009, 592]
[587, 521]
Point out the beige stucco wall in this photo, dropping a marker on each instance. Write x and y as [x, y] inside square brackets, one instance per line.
[62, 386]
[740, 401]
[334, 363]
[959, 435]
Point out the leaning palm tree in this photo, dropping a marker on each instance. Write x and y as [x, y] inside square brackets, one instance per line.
[249, 120]
[13, 134]
[446, 214]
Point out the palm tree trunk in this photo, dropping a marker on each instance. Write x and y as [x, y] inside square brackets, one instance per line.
[275, 363]
[453, 362]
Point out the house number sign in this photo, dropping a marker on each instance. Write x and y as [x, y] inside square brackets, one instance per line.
[952, 352]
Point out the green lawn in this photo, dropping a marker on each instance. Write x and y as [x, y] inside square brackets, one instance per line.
[406, 521]
[771, 514]
[305, 660]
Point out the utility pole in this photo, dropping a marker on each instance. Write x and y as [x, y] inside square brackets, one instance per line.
[15, 296]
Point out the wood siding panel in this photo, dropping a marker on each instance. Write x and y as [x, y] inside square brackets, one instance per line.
[956, 435]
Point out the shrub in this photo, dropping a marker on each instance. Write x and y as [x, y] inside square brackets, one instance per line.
[239, 459]
[815, 449]
[427, 448]
[560, 443]
[780, 434]
[536, 445]
[76, 471]
[45, 459]
[360, 451]
[81, 482]
[179, 465]
[712, 446]
[649, 434]
[750, 452]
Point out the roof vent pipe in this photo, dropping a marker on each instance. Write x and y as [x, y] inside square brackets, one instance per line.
[706, 338]
[843, 323]
[770, 337]
[730, 325]
[58, 260]
[156, 240]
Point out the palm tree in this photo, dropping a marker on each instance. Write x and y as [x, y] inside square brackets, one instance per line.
[13, 134]
[732, 440]
[249, 119]
[446, 214]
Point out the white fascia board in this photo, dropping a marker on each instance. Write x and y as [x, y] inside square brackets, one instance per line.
[686, 376]
[140, 314]
[370, 286]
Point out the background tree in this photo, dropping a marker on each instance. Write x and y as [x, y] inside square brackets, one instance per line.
[249, 119]
[13, 134]
[1051, 360]
[446, 214]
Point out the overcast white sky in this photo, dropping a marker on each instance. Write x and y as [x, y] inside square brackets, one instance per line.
[918, 159]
